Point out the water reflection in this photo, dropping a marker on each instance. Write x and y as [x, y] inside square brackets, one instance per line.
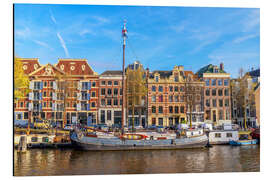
[75, 162]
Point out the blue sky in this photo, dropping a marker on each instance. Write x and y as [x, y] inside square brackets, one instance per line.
[159, 37]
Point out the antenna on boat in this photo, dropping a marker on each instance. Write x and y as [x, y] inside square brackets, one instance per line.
[124, 35]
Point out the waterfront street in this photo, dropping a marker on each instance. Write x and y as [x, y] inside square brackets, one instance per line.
[219, 158]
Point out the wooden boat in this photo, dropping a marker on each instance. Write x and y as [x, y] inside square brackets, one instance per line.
[244, 139]
[137, 141]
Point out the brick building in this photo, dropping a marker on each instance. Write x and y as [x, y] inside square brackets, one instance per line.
[48, 97]
[217, 100]
[166, 101]
[110, 98]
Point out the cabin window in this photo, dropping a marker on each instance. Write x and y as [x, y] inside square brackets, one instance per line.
[218, 135]
[45, 139]
[229, 134]
[34, 139]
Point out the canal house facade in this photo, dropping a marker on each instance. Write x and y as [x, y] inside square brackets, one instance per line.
[63, 93]
[217, 101]
[110, 98]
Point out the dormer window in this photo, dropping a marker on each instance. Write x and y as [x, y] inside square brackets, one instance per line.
[24, 67]
[176, 78]
[83, 67]
[156, 78]
[72, 68]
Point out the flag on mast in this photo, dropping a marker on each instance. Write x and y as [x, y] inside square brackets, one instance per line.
[124, 30]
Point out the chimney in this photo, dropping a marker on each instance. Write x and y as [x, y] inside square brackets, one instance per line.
[221, 66]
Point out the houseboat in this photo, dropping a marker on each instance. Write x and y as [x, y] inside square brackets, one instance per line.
[244, 139]
[222, 136]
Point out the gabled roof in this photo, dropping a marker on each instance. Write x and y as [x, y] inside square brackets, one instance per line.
[163, 74]
[208, 69]
[255, 73]
[75, 67]
[29, 64]
[47, 70]
[116, 72]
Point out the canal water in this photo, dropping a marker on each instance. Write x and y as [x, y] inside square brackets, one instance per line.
[219, 158]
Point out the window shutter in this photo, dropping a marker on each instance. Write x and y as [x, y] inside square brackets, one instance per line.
[78, 106]
[54, 96]
[40, 106]
[79, 96]
[54, 85]
[79, 85]
[53, 106]
[30, 107]
[40, 96]
[31, 85]
[41, 85]
[89, 85]
[88, 107]
[88, 96]
[30, 96]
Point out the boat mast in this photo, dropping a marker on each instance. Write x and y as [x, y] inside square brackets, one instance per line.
[124, 35]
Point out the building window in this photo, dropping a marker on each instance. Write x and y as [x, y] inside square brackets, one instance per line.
[160, 98]
[220, 92]
[109, 102]
[156, 78]
[93, 104]
[153, 109]
[220, 116]
[227, 114]
[25, 115]
[226, 102]
[50, 94]
[182, 88]
[153, 98]
[228, 135]
[176, 109]
[207, 82]
[93, 94]
[160, 109]
[160, 88]
[220, 82]
[44, 94]
[208, 115]
[220, 102]
[115, 83]
[171, 88]
[176, 98]
[217, 135]
[121, 101]
[214, 92]
[103, 83]
[176, 78]
[109, 83]
[153, 121]
[160, 121]
[176, 88]
[51, 83]
[27, 104]
[44, 104]
[214, 102]
[45, 84]
[170, 98]
[103, 91]
[154, 88]
[226, 92]
[21, 104]
[115, 102]
[207, 92]
[214, 82]
[93, 84]
[109, 115]
[181, 98]
[121, 91]
[109, 91]
[102, 102]
[102, 116]
[170, 109]
[182, 109]
[226, 82]
[115, 91]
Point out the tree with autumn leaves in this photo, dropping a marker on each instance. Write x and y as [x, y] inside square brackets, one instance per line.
[21, 81]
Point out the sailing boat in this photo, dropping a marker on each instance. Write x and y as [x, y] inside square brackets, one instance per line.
[101, 140]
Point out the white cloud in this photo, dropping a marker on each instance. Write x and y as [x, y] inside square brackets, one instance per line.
[22, 33]
[252, 20]
[41, 43]
[86, 31]
[101, 20]
[52, 18]
[63, 44]
[244, 38]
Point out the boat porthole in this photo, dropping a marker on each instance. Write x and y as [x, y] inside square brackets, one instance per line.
[134, 145]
